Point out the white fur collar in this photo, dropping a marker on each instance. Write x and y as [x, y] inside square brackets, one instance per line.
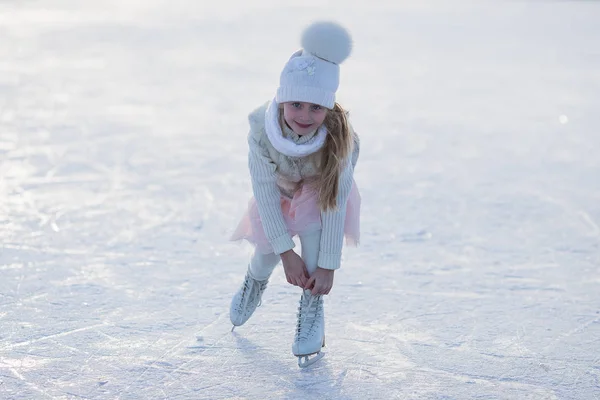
[286, 146]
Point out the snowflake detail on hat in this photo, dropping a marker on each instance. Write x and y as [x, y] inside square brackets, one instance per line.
[301, 64]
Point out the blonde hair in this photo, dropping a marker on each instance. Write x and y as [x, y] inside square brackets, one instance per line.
[335, 154]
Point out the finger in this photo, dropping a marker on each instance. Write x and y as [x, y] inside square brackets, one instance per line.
[306, 283]
[302, 280]
[316, 290]
[292, 280]
[323, 289]
[305, 271]
[309, 283]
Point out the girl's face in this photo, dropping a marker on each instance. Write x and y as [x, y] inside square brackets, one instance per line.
[302, 117]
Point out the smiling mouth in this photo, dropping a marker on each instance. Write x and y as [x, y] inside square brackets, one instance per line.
[303, 125]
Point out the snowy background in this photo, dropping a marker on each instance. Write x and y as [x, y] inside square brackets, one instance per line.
[123, 172]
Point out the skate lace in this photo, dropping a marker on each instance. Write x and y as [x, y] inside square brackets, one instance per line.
[309, 311]
[247, 291]
[261, 286]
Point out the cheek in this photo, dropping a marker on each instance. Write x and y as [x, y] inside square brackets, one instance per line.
[288, 115]
[319, 118]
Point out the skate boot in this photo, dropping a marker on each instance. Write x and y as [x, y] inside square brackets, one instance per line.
[310, 330]
[246, 300]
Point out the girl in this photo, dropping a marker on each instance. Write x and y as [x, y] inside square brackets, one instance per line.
[302, 157]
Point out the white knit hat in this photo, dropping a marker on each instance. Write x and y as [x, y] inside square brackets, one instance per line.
[312, 74]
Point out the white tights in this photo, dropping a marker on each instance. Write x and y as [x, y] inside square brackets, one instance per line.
[262, 265]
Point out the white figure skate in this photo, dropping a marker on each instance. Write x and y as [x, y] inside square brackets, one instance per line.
[246, 300]
[310, 330]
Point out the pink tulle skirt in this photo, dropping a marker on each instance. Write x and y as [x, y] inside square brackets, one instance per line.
[302, 215]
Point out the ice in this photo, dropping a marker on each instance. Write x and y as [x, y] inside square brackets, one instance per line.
[123, 172]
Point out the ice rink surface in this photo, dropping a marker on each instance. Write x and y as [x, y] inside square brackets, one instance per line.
[123, 173]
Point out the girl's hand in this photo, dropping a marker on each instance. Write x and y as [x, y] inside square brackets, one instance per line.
[321, 281]
[295, 269]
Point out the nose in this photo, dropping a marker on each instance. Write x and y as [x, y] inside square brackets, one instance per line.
[305, 114]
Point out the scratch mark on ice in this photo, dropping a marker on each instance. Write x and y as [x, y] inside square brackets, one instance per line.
[44, 338]
[593, 225]
[30, 384]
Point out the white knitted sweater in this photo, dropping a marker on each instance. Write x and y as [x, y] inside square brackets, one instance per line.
[274, 174]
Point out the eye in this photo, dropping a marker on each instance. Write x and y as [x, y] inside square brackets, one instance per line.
[316, 107]
[296, 105]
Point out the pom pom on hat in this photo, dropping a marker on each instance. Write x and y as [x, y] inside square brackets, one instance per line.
[327, 40]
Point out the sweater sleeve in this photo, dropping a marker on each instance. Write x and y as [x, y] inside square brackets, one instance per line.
[268, 197]
[332, 234]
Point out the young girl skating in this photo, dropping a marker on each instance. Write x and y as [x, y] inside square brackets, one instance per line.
[301, 159]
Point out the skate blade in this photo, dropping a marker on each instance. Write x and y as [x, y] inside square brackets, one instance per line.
[305, 361]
